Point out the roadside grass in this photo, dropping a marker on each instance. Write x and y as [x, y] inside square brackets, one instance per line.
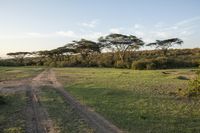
[12, 119]
[64, 117]
[136, 101]
[15, 73]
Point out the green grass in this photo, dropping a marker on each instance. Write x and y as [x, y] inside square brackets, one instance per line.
[136, 101]
[64, 117]
[14, 73]
[12, 119]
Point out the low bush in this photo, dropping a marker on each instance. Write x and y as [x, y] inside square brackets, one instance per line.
[193, 88]
[162, 63]
[2, 100]
[121, 64]
[14, 130]
[140, 65]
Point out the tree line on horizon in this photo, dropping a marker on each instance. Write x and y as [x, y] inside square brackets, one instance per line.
[113, 50]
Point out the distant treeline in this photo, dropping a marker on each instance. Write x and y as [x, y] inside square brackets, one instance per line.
[114, 50]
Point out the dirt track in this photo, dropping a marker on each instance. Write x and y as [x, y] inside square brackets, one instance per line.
[37, 120]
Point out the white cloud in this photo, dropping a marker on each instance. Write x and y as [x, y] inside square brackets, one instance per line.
[92, 36]
[159, 25]
[34, 34]
[115, 30]
[138, 26]
[188, 21]
[66, 33]
[139, 33]
[91, 24]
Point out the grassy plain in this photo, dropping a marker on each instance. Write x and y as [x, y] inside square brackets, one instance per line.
[64, 117]
[14, 73]
[136, 101]
[12, 104]
[12, 119]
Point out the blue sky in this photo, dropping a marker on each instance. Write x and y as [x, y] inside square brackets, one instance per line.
[29, 25]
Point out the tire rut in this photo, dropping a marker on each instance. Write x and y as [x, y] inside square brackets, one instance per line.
[95, 120]
[37, 120]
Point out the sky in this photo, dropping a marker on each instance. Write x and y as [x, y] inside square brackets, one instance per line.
[31, 25]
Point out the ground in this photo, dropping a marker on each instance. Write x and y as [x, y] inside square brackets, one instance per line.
[87, 100]
[45, 107]
[136, 101]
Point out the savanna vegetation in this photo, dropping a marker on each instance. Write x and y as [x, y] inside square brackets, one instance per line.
[138, 101]
[161, 99]
[12, 100]
[114, 50]
[66, 119]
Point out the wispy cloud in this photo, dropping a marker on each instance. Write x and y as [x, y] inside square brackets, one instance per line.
[184, 29]
[66, 33]
[90, 24]
[115, 30]
[137, 26]
[188, 21]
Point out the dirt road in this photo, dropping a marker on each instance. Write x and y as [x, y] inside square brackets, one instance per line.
[37, 119]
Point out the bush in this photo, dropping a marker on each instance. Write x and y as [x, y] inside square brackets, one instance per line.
[139, 65]
[106, 60]
[8, 62]
[121, 64]
[2, 100]
[162, 63]
[14, 130]
[193, 88]
[53, 64]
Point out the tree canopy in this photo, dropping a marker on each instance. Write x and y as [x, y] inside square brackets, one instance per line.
[121, 43]
[84, 47]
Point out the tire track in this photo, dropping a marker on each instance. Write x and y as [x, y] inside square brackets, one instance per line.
[37, 120]
[96, 121]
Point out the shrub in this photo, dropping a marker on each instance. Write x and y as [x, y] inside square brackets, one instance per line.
[121, 64]
[182, 78]
[193, 88]
[2, 100]
[139, 65]
[106, 60]
[162, 63]
[53, 64]
[14, 130]
[151, 66]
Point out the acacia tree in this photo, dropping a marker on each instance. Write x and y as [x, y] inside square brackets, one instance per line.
[121, 44]
[85, 47]
[54, 55]
[164, 45]
[19, 56]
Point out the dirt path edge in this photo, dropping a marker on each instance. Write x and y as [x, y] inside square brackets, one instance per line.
[96, 121]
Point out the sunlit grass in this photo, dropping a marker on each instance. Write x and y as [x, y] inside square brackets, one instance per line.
[14, 73]
[136, 101]
[65, 118]
[11, 113]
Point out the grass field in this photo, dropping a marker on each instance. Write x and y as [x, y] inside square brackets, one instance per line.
[12, 119]
[14, 73]
[136, 101]
[64, 117]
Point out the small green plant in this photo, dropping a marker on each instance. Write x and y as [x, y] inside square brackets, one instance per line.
[14, 130]
[194, 87]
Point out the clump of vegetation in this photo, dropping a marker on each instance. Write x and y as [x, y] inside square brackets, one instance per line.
[182, 78]
[160, 63]
[2, 100]
[113, 50]
[14, 130]
[193, 88]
